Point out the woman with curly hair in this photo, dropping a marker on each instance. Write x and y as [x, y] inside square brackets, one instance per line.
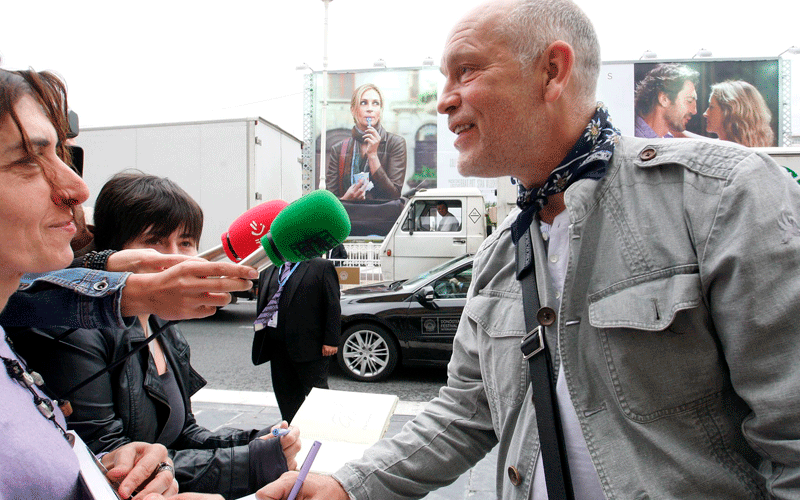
[738, 113]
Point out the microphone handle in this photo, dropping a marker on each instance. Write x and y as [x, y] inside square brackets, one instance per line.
[212, 254]
[255, 259]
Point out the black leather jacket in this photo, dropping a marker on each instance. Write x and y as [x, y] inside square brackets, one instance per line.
[130, 404]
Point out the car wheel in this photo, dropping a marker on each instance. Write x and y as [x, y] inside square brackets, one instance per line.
[367, 353]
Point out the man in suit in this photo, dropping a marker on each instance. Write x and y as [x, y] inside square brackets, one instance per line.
[297, 328]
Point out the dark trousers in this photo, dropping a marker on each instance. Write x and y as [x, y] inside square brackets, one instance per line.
[293, 381]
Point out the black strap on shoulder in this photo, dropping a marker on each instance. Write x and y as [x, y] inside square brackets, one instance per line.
[117, 362]
[534, 349]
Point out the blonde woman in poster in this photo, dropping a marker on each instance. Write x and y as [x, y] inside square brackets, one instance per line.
[371, 163]
[738, 113]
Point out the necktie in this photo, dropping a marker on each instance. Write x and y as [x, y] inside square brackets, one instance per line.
[272, 306]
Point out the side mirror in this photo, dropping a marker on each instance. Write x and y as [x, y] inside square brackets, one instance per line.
[410, 220]
[425, 296]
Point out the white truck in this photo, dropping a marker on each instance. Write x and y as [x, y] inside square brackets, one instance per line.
[227, 166]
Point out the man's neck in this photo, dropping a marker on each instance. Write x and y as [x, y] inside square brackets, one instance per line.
[657, 123]
[555, 205]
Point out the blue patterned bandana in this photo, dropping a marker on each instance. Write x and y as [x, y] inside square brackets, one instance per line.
[588, 159]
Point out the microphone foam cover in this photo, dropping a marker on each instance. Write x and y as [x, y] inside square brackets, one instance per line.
[244, 234]
[307, 228]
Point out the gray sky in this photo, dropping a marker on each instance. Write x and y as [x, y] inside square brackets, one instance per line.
[175, 60]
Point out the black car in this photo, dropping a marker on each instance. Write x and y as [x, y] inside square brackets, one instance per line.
[409, 322]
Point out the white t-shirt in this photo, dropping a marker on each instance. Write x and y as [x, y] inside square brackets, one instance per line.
[585, 483]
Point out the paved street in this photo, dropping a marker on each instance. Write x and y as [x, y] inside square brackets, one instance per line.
[238, 393]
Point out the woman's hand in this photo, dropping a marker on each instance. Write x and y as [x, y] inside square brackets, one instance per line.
[356, 191]
[290, 443]
[137, 467]
[143, 260]
[372, 140]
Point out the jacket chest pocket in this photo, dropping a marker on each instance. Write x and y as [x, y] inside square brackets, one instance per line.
[659, 345]
[500, 330]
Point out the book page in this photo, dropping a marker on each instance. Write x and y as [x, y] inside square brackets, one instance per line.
[346, 423]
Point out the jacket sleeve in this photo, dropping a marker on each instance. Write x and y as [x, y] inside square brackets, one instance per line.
[333, 322]
[449, 436]
[233, 471]
[749, 264]
[392, 174]
[72, 298]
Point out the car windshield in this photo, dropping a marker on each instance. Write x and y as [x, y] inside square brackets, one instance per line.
[413, 282]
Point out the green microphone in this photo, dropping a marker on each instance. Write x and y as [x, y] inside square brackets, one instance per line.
[307, 228]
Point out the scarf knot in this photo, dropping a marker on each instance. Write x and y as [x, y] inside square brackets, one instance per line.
[588, 159]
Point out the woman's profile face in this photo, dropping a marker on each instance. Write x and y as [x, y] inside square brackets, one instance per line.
[369, 106]
[176, 243]
[36, 221]
[713, 116]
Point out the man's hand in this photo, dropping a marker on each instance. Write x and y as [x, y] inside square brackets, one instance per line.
[193, 288]
[185, 496]
[133, 466]
[315, 487]
[144, 260]
[329, 350]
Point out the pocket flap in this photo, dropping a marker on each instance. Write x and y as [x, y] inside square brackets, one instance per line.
[647, 306]
[504, 312]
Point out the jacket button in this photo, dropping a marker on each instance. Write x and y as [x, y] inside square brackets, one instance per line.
[546, 316]
[100, 285]
[513, 476]
[647, 154]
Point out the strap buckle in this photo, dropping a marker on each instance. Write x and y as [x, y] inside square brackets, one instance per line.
[533, 343]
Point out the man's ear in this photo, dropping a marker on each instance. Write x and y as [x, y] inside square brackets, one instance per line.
[663, 99]
[559, 61]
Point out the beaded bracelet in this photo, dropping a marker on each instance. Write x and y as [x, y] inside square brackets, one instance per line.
[97, 260]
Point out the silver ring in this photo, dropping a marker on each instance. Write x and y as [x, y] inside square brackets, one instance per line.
[165, 466]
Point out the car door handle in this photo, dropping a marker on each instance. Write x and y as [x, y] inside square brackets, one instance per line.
[459, 241]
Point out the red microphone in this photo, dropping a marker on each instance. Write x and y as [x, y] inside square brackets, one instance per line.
[244, 234]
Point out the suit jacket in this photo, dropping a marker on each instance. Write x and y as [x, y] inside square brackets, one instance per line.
[309, 314]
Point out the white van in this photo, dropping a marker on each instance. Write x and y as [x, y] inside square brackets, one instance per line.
[434, 226]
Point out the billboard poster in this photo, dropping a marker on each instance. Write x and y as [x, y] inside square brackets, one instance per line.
[381, 141]
[734, 100]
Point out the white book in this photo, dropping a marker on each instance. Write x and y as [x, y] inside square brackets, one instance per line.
[346, 423]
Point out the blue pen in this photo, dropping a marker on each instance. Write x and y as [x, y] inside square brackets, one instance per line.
[280, 432]
[312, 453]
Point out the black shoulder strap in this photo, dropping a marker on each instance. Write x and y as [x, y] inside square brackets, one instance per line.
[534, 349]
[117, 362]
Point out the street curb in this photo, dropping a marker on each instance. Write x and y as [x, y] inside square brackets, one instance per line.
[266, 398]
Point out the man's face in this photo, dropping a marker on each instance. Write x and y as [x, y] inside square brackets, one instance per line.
[678, 112]
[442, 209]
[492, 107]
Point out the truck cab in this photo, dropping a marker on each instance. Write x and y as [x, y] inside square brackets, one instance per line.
[434, 226]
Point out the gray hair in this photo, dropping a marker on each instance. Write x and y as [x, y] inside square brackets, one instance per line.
[532, 25]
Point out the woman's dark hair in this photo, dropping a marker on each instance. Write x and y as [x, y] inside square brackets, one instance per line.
[49, 92]
[132, 203]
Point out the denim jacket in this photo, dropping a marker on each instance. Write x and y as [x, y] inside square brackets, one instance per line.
[677, 332]
[72, 297]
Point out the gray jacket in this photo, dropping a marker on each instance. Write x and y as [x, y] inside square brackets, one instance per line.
[677, 333]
